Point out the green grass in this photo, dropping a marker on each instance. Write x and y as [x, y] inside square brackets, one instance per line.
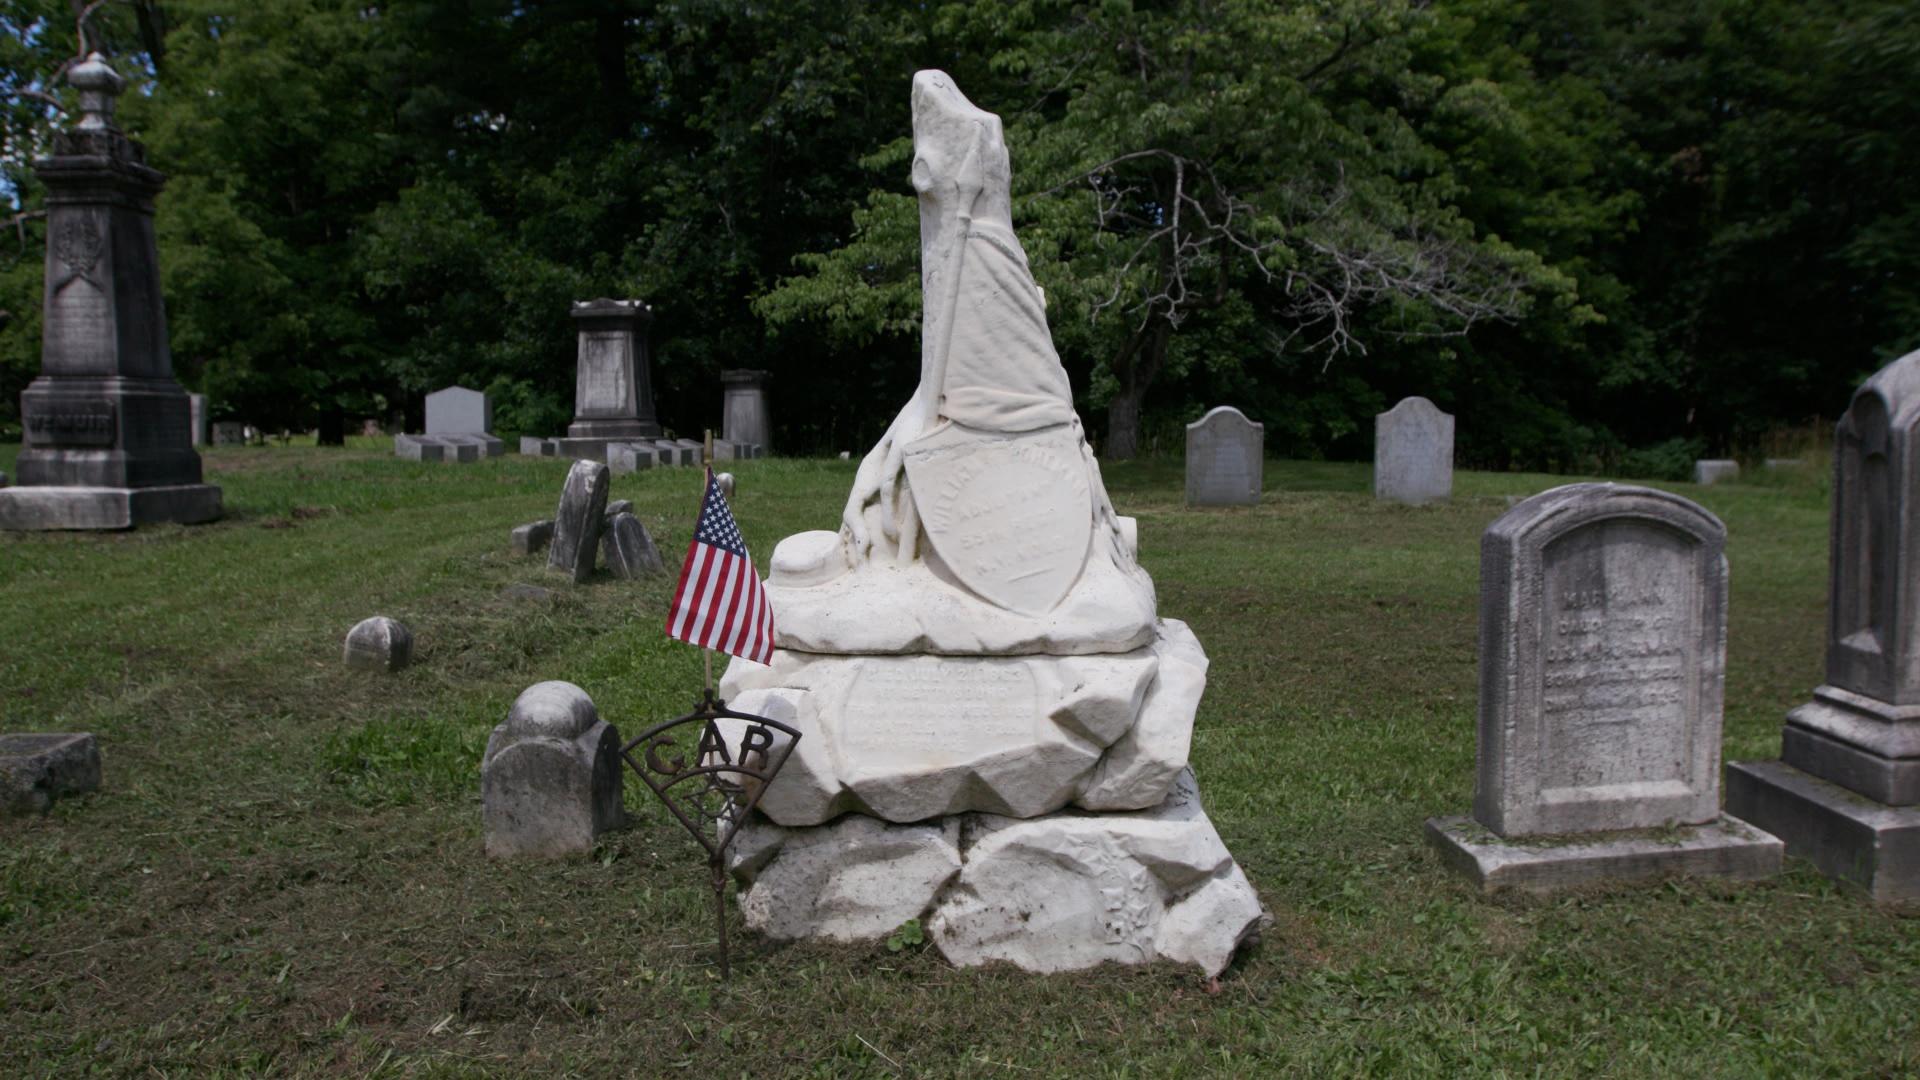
[283, 871]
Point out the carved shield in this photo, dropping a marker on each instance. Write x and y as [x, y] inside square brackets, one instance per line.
[1010, 515]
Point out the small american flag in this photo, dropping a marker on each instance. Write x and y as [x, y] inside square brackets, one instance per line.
[720, 603]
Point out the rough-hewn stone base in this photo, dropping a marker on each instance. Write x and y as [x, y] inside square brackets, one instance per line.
[37, 769]
[1727, 848]
[1059, 892]
[44, 508]
[1848, 836]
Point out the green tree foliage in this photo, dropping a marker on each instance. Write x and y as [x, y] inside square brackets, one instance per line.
[1586, 227]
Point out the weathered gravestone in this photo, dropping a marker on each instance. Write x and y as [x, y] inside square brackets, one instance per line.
[1708, 471]
[197, 417]
[613, 388]
[628, 550]
[1226, 455]
[744, 408]
[1413, 453]
[531, 538]
[229, 433]
[378, 644]
[1845, 793]
[37, 769]
[578, 520]
[1602, 660]
[107, 437]
[997, 721]
[550, 779]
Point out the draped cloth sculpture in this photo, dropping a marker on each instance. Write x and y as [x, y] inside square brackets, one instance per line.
[977, 643]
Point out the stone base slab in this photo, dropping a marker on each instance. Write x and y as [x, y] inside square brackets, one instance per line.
[1893, 781]
[1058, 893]
[1849, 837]
[1728, 848]
[37, 509]
[37, 769]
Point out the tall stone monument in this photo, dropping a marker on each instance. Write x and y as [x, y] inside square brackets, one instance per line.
[108, 438]
[1846, 792]
[613, 387]
[996, 722]
[1413, 453]
[743, 416]
[1603, 641]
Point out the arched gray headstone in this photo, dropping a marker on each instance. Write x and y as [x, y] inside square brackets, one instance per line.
[1226, 453]
[1413, 453]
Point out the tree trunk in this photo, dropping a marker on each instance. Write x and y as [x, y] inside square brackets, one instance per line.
[1134, 369]
[333, 426]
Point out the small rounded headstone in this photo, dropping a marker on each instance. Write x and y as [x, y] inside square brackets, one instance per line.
[557, 709]
[379, 644]
[725, 480]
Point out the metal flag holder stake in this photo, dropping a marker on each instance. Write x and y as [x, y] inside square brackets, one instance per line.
[715, 792]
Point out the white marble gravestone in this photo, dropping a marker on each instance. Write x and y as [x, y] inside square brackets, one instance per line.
[1226, 453]
[1602, 660]
[1846, 792]
[977, 645]
[1413, 453]
[456, 410]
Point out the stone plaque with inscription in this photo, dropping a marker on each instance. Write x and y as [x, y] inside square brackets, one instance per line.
[1010, 515]
[1225, 458]
[1603, 615]
[1602, 652]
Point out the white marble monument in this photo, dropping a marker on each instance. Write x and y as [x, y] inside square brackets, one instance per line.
[986, 695]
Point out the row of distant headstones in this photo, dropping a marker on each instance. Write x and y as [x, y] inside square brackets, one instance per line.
[1412, 457]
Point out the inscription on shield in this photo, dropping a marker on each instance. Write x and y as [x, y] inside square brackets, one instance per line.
[1010, 515]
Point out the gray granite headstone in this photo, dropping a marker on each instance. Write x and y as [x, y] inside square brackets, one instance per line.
[1602, 660]
[744, 408]
[578, 520]
[626, 457]
[551, 777]
[1413, 453]
[1846, 794]
[1713, 470]
[378, 644]
[531, 538]
[107, 434]
[1226, 455]
[37, 769]
[197, 413]
[457, 410]
[613, 389]
[628, 550]
[229, 433]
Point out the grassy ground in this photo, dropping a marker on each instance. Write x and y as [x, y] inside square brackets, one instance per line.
[283, 871]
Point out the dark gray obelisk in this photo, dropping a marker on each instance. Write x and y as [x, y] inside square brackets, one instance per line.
[108, 440]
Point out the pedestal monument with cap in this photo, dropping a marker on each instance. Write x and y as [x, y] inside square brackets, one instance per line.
[108, 440]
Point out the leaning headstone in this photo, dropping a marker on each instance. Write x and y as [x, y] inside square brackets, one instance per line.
[378, 644]
[628, 550]
[197, 414]
[1713, 470]
[744, 408]
[107, 434]
[37, 769]
[1226, 455]
[1413, 453]
[1846, 792]
[1603, 637]
[616, 507]
[550, 780]
[578, 520]
[531, 538]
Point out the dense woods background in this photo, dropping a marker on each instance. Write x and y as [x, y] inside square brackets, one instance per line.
[1608, 234]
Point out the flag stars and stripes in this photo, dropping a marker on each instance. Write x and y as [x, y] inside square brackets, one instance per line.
[720, 603]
